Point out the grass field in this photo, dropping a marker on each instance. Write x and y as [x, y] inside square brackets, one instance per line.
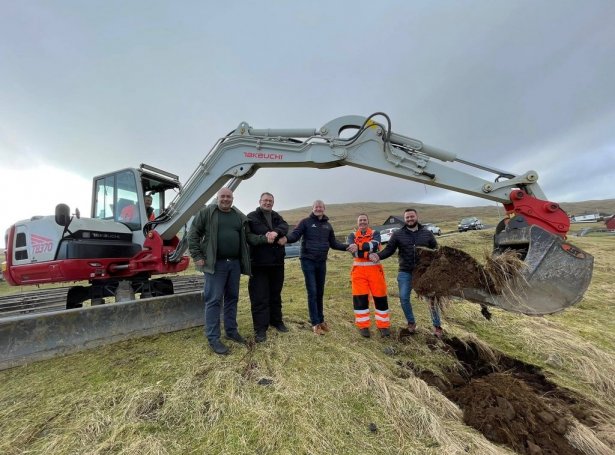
[300, 393]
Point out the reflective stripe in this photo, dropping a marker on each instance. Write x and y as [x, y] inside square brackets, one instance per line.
[361, 319]
[366, 311]
[383, 319]
[383, 312]
[366, 263]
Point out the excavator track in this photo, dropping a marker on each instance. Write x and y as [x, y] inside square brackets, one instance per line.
[54, 299]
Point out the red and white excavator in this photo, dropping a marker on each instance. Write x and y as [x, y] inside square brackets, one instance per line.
[118, 255]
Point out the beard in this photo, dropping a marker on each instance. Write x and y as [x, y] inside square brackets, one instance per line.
[412, 225]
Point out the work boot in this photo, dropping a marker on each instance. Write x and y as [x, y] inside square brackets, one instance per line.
[324, 326]
[385, 332]
[365, 332]
[218, 347]
[317, 330]
[260, 337]
[412, 327]
[236, 337]
[281, 328]
[437, 332]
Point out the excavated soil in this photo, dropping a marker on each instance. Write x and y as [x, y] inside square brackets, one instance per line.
[446, 271]
[510, 402]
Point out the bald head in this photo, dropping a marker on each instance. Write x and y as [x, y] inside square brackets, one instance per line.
[225, 199]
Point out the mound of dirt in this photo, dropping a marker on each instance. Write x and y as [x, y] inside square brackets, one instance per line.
[446, 271]
[508, 411]
[510, 402]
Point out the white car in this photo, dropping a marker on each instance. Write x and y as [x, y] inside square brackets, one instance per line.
[433, 228]
[385, 234]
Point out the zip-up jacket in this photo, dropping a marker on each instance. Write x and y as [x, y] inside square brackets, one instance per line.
[317, 237]
[203, 238]
[406, 242]
[268, 253]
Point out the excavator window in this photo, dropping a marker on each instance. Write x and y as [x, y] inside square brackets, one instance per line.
[116, 197]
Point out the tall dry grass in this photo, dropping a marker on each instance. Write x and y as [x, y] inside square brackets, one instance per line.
[299, 393]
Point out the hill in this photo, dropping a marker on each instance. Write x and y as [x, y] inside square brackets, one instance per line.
[343, 216]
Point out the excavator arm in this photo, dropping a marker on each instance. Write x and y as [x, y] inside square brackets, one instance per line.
[372, 147]
[556, 274]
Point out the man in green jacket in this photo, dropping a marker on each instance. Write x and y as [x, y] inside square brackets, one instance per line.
[218, 242]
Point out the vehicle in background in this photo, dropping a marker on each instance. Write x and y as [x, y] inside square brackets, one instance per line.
[385, 234]
[433, 228]
[470, 223]
[293, 250]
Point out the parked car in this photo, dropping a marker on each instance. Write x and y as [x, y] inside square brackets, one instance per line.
[293, 250]
[470, 223]
[433, 228]
[385, 234]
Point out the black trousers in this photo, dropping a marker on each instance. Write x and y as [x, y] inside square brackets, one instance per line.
[265, 288]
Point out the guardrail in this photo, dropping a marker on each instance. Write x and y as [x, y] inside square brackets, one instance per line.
[29, 338]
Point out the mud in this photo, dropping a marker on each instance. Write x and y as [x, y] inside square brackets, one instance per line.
[446, 271]
[508, 401]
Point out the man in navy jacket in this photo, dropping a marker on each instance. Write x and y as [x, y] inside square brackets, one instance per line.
[318, 237]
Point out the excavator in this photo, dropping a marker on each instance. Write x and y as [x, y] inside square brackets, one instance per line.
[120, 257]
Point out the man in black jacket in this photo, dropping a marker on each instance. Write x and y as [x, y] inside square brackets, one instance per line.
[318, 237]
[265, 285]
[406, 240]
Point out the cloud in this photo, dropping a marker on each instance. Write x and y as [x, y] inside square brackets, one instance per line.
[87, 88]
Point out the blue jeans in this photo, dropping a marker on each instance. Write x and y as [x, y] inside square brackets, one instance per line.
[221, 293]
[314, 273]
[404, 282]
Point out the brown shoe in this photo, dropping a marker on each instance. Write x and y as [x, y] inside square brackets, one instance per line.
[317, 330]
[324, 326]
[412, 327]
[437, 331]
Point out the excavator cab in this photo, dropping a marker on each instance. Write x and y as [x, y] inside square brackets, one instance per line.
[120, 195]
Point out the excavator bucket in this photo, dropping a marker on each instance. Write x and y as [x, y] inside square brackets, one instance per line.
[555, 276]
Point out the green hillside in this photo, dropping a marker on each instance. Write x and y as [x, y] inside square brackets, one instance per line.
[343, 216]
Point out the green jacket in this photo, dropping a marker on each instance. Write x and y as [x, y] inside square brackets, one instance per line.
[203, 238]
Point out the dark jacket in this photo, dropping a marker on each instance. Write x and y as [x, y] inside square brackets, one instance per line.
[318, 237]
[406, 242]
[268, 253]
[203, 238]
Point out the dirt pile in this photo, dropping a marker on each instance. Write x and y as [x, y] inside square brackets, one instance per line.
[447, 271]
[508, 411]
[510, 402]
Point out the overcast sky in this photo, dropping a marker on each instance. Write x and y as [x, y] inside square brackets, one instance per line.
[87, 87]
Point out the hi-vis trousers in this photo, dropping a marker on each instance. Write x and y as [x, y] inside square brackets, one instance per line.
[368, 279]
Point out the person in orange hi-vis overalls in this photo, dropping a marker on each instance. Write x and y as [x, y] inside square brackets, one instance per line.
[368, 279]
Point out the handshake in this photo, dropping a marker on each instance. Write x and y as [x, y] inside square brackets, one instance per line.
[353, 248]
[272, 236]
